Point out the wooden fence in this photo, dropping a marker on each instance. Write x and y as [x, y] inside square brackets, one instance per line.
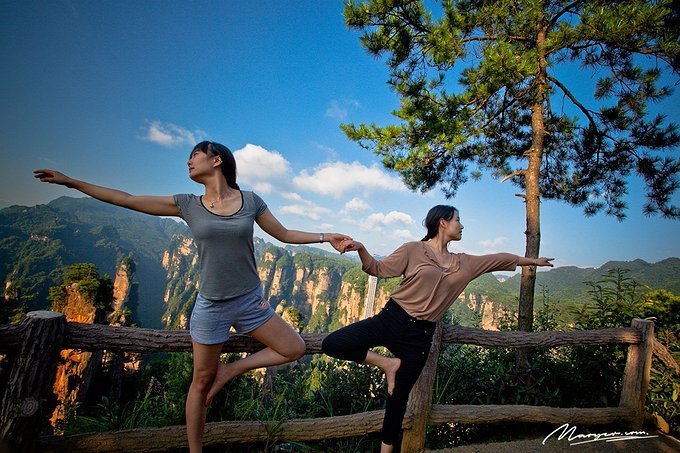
[36, 342]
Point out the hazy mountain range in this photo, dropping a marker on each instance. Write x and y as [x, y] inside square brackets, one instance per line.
[328, 290]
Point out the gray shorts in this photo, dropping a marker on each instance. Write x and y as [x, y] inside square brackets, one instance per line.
[211, 319]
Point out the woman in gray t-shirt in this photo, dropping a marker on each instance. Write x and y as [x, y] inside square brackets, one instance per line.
[221, 221]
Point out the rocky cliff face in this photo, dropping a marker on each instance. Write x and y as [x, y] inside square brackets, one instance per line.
[9, 294]
[77, 368]
[325, 292]
[124, 295]
[123, 289]
[308, 283]
[180, 260]
[350, 304]
[486, 311]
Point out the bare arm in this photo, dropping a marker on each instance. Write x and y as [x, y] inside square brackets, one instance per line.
[147, 204]
[393, 265]
[535, 261]
[356, 246]
[273, 227]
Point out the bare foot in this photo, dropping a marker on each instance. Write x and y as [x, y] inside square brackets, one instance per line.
[391, 373]
[222, 377]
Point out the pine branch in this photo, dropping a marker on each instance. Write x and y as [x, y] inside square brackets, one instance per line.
[575, 101]
[495, 39]
[565, 10]
[512, 175]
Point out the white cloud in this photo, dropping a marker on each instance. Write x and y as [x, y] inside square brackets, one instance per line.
[336, 112]
[326, 149]
[170, 135]
[378, 221]
[396, 217]
[352, 209]
[302, 207]
[260, 168]
[292, 196]
[337, 178]
[356, 204]
[49, 161]
[339, 110]
[312, 211]
[402, 235]
[263, 187]
[295, 197]
[491, 244]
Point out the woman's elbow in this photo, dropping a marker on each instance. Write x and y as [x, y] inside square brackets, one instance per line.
[370, 270]
[284, 236]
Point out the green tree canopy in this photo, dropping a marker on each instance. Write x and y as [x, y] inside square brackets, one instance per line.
[509, 57]
[512, 113]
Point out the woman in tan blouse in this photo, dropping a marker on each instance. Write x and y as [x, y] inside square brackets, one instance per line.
[432, 280]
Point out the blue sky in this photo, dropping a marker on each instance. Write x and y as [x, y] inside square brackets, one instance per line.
[117, 93]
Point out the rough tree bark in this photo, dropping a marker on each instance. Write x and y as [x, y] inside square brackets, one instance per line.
[28, 400]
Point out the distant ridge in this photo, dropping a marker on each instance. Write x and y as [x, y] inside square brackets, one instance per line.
[37, 242]
[567, 286]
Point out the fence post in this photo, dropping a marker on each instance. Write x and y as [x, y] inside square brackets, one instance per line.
[28, 400]
[636, 375]
[420, 401]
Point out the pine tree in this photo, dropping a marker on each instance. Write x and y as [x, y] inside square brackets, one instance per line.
[512, 114]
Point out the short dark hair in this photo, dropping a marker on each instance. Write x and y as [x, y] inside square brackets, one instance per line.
[228, 165]
[431, 221]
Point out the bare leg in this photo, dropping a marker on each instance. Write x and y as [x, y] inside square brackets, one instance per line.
[384, 448]
[283, 345]
[387, 364]
[206, 358]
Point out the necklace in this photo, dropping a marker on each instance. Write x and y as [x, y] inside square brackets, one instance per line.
[212, 203]
[224, 197]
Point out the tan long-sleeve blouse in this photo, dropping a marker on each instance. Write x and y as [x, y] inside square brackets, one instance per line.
[428, 290]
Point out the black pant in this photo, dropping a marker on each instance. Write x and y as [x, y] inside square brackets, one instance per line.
[409, 339]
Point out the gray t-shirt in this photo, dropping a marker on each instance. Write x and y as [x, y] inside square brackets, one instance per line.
[226, 254]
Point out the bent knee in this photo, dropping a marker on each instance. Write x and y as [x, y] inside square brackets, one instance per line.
[296, 350]
[203, 380]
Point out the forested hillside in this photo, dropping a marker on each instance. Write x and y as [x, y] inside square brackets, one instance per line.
[323, 289]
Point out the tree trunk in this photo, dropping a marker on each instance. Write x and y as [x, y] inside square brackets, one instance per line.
[533, 198]
[28, 399]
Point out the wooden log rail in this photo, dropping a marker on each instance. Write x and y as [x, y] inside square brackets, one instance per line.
[220, 433]
[93, 337]
[19, 342]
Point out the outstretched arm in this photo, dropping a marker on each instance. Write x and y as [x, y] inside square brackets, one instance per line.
[535, 261]
[393, 265]
[355, 246]
[273, 227]
[147, 204]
